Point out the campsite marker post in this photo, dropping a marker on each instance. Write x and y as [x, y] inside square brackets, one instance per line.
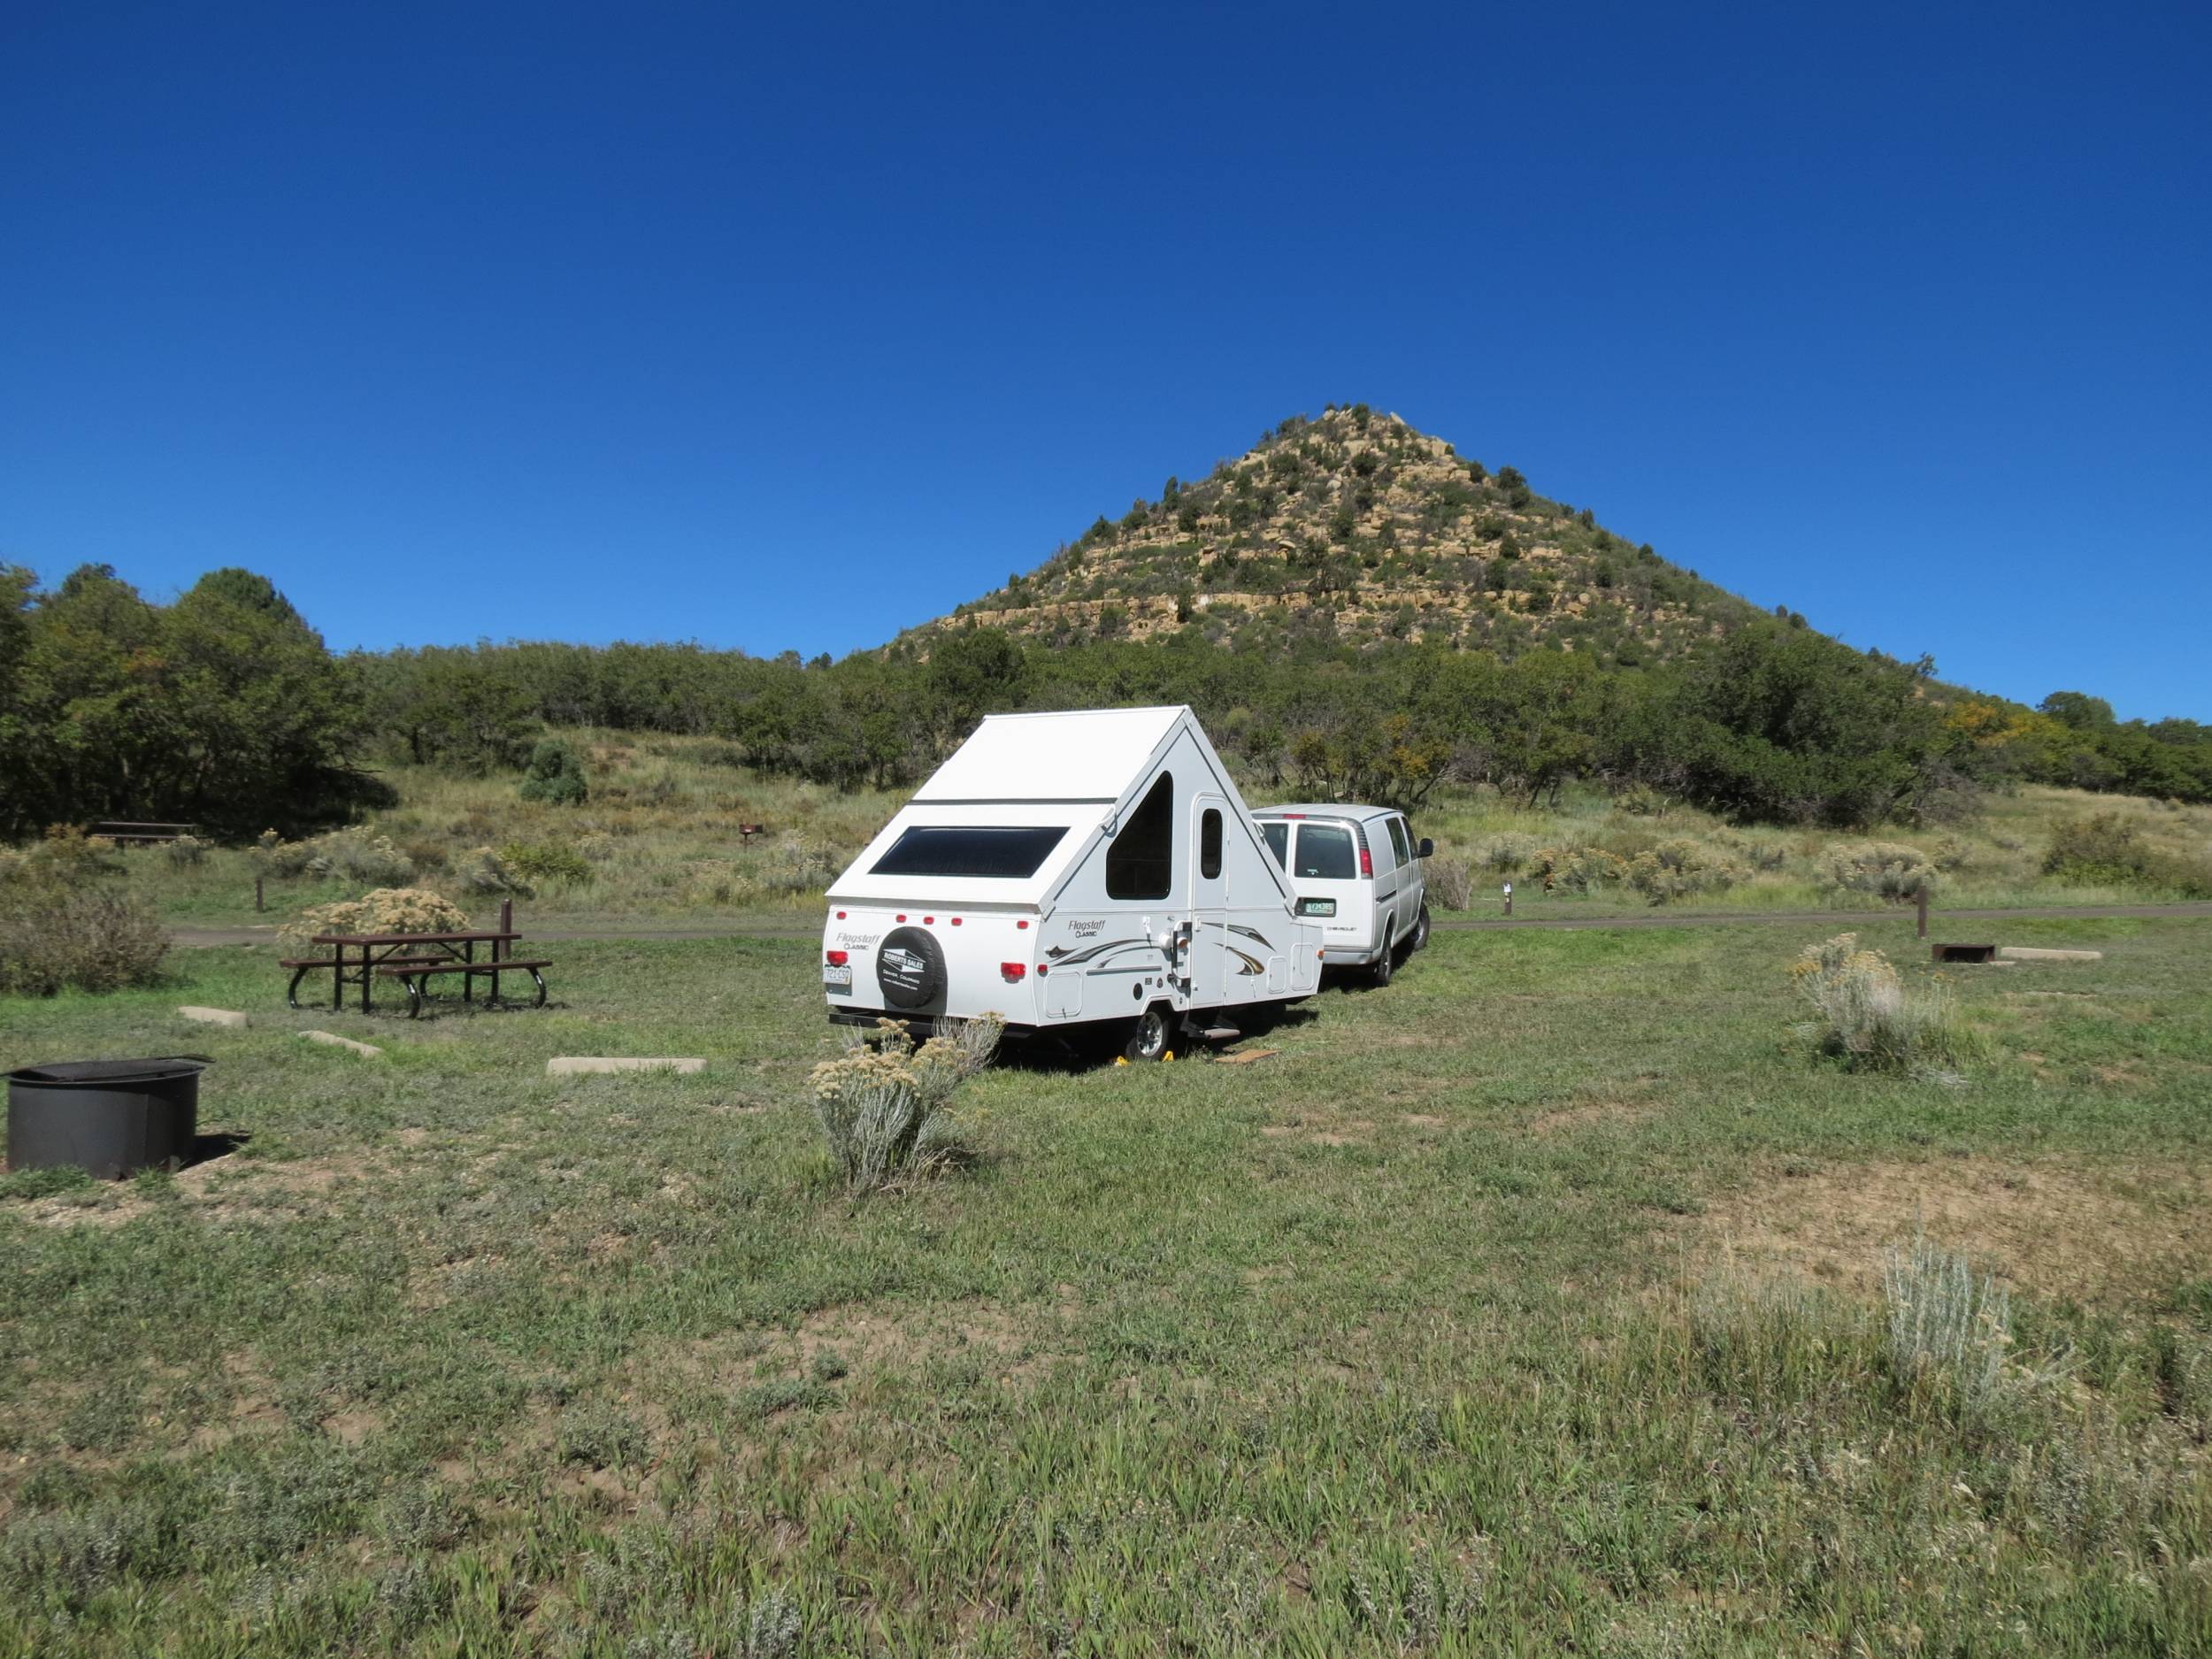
[1509, 898]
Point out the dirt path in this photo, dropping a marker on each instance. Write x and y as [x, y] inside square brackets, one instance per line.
[1942, 922]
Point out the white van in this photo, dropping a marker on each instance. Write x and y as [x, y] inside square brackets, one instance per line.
[1089, 869]
[1357, 872]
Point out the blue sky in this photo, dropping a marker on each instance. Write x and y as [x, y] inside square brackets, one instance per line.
[789, 327]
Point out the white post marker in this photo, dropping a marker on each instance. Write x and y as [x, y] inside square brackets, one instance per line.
[1509, 898]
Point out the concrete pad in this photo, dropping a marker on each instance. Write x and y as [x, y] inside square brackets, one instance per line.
[229, 1016]
[2022, 953]
[336, 1041]
[582, 1065]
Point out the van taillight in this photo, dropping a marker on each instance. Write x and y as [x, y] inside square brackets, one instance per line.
[1013, 971]
[835, 958]
[1366, 861]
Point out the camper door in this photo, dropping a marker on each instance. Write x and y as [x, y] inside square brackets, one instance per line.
[1208, 935]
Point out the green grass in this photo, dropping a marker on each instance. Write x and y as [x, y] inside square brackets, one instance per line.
[1423, 1335]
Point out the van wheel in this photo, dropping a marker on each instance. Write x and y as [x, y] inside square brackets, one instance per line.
[1149, 1037]
[1379, 970]
[1420, 931]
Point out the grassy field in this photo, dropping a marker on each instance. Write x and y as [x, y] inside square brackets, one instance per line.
[658, 842]
[1530, 1306]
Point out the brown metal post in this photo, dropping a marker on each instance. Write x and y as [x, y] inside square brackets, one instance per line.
[258, 906]
[499, 946]
[1924, 910]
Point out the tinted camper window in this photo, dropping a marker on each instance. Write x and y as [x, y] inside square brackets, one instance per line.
[1140, 861]
[961, 849]
[1278, 841]
[1209, 844]
[1325, 852]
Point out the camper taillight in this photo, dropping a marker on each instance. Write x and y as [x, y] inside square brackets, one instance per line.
[1013, 971]
[835, 958]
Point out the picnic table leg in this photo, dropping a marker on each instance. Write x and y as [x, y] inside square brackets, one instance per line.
[468, 980]
[337, 978]
[367, 973]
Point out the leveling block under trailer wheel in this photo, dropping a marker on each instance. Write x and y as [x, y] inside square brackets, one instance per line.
[1085, 873]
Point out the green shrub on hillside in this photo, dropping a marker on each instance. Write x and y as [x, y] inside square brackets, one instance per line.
[540, 861]
[2108, 848]
[554, 775]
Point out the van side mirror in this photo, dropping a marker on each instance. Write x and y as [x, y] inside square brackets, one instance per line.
[1428, 849]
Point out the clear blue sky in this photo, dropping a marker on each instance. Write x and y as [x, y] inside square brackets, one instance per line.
[789, 326]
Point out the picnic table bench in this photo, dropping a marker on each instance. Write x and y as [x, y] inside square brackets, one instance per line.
[411, 958]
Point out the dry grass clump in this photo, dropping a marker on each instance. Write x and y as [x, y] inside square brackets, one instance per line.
[53, 938]
[1679, 868]
[882, 1105]
[1865, 1016]
[1888, 870]
[352, 854]
[385, 910]
[1451, 883]
[186, 852]
[481, 870]
[59, 929]
[1506, 851]
[1577, 869]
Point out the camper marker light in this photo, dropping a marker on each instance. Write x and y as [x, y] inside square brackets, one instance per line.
[841, 916]
[835, 958]
[901, 917]
[1012, 971]
[955, 921]
[929, 921]
[1021, 924]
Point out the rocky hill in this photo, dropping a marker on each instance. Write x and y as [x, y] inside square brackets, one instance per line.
[1356, 529]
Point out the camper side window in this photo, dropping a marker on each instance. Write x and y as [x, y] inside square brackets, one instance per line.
[1209, 844]
[1141, 860]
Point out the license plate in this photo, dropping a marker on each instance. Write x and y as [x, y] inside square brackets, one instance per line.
[1316, 906]
[837, 979]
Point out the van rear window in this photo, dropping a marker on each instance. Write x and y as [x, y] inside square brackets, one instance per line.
[969, 851]
[1325, 852]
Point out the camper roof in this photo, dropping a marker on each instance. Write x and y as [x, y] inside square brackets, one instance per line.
[1091, 755]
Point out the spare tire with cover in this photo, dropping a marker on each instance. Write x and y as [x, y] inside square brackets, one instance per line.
[910, 970]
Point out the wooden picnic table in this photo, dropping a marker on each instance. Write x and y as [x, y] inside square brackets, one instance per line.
[410, 958]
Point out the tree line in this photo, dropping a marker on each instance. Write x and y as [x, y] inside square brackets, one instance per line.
[225, 708]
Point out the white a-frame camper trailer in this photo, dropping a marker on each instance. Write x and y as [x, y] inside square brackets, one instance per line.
[1066, 869]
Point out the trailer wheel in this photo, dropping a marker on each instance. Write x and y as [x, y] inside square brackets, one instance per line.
[1420, 931]
[1150, 1036]
[1379, 970]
